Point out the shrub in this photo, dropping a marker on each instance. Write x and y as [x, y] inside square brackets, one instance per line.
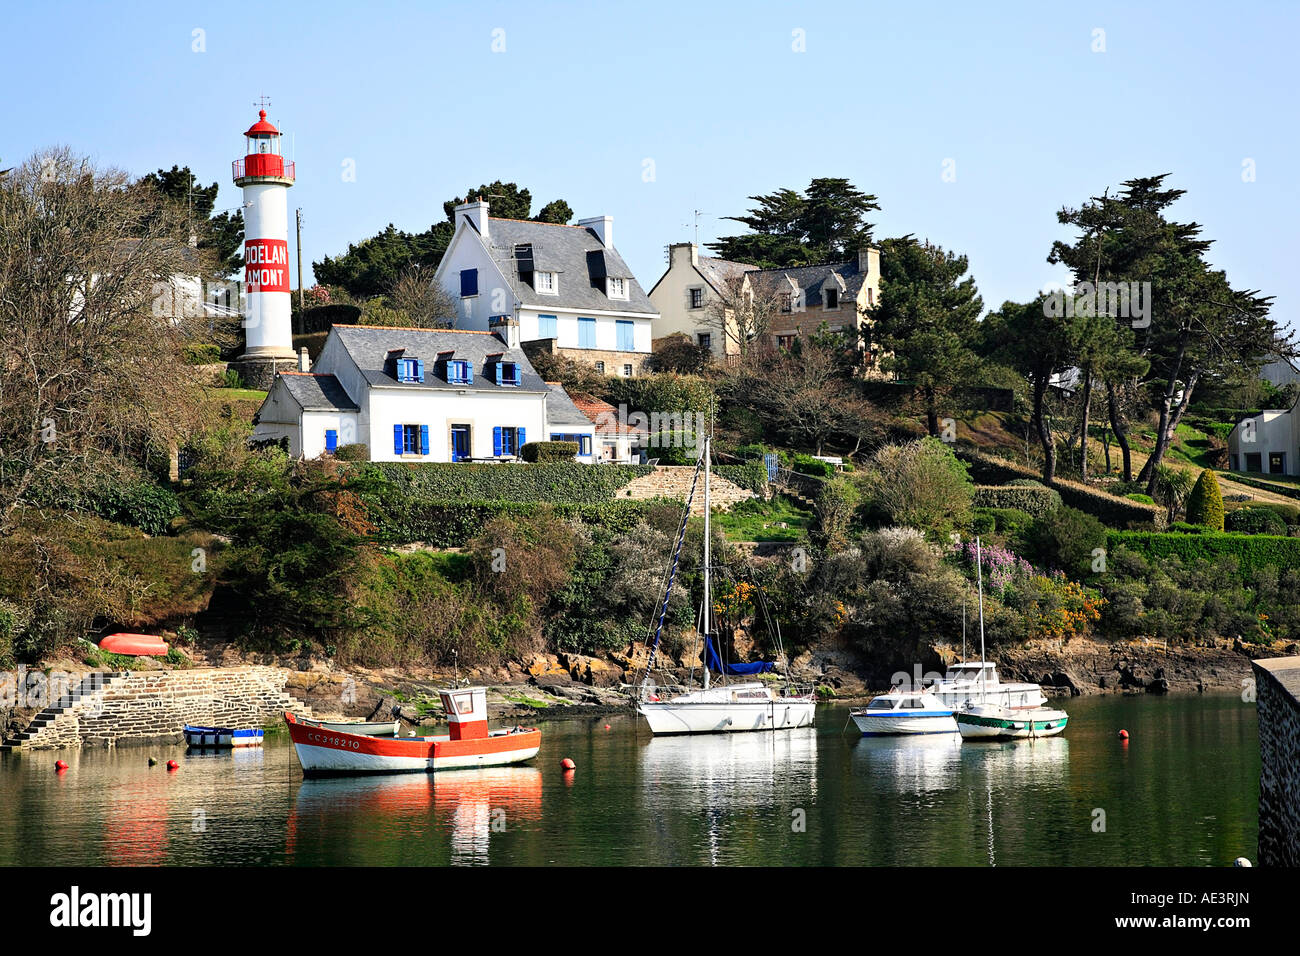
[1205, 504]
[1186, 527]
[808, 465]
[673, 448]
[920, 485]
[231, 379]
[752, 476]
[549, 451]
[1066, 540]
[1008, 521]
[569, 481]
[1255, 521]
[354, 452]
[1035, 499]
[146, 506]
[204, 353]
[833, 514]
[1139, 496]
[981, 522]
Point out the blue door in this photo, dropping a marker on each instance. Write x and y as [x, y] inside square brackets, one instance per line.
[459, 442]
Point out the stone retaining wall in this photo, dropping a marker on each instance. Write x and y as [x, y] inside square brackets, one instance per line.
[674, 481]
[1277, 694]
[153, 706]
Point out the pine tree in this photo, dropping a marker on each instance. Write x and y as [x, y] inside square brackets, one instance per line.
[1205, 504]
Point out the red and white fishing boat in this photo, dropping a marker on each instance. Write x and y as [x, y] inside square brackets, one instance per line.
[470, 743]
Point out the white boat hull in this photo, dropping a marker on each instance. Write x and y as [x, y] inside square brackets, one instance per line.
[1003, 724]
[331, 760]
[885, 723]
[726, 717]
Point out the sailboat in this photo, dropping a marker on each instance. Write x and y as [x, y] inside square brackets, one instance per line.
[725, 707]
[981, 717]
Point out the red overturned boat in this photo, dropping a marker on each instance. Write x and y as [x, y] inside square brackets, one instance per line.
[137, 645]
[322, 751]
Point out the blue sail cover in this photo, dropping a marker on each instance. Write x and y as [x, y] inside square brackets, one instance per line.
[734, 670]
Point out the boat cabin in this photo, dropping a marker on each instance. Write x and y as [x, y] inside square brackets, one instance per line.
[899, 702]
[466, 708]
[969, 672]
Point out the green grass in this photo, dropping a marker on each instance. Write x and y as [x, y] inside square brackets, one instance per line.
[761, 521]
[523, 700]
[236, 394]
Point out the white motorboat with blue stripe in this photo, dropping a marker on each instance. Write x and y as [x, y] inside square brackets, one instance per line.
[904, 712]
[223, 736]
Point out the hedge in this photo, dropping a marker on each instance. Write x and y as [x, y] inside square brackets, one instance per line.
[808, 465]
[549, 451]
[446, 524]
[1035, 501]
[1253, 552]
[752, 476]
[1255, 521]
[1286, 491]
[1117, 512]
[557, 482]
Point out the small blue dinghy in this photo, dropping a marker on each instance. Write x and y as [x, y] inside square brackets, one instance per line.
[222, 737]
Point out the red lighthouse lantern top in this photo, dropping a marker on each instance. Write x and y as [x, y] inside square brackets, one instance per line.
[263, 162]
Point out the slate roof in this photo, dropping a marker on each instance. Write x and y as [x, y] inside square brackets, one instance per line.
[717, 272]
[560, 410]
[317, 392]
[812, 279]
[577, 254]
[370, 345]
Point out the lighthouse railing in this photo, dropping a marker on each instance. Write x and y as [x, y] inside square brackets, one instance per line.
[263, 164]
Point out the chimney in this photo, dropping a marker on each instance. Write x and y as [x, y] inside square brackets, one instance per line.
[506, 328]
[304, 363]
[683, 253]
[869, 261]
[603, 227]
[477, 214]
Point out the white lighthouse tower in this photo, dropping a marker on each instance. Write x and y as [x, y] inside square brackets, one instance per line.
[265, 177]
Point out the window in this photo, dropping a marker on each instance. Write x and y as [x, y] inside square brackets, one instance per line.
[468, 282]
[706, 340]
[871, 297]
[626, 336]
[832, 298]
[410, 370]
[331, 440]
[787, 302]
[546, 327]
[600, 367]
[507, 440]
[459, 372]
[697, 298]
[1277, 463]
[617, 288]
[586, 333]
[583, 441]
[460, 446]
[411, 439]
[785, 341]
[507, 373]
[627, 371]
[1252, 461]
[545, 282]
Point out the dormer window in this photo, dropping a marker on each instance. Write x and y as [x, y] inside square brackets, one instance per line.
[617, 288]
[546, 282]
[409, 370]
[507, 373]
[459, 372]
[787, 302]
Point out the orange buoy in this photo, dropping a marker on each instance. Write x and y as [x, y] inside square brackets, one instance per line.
[607, 726]
[568, 764]
[60, 765]
[173, 765]
[1123, 735]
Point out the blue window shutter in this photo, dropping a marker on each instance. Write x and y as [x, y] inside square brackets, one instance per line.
[469, 373]
[424, 439]
[496, 441]
[397, 439]
[331, 440]
[520, 443]
[546, 327]
[419, 370]
[497, 371]
[626, 336]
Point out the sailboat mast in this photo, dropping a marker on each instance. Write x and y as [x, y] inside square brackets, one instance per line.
[708, 597]
[979, 577]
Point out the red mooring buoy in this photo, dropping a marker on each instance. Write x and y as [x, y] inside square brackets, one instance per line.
[173, 765]
[568, 764]
[60, 765]
[1123, 735]
[607, 726]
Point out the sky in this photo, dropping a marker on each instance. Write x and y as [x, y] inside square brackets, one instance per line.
[972, 123]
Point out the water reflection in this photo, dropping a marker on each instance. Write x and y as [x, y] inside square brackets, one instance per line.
[913, 764]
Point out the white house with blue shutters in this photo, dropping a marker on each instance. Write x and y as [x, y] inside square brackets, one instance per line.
[420, 395]
[564, 284]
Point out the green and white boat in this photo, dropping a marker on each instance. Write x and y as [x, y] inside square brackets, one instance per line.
[994, 722]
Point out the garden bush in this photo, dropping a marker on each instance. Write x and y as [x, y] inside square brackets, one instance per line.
[808, 465]
[1205, 504]
[559, 482]
[549, 451]
[1254, 553]
[1065, 540]
[1035, 499]
[1255, 521]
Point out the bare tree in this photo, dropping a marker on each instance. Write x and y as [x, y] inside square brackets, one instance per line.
[92, 326]
[426, 303]
[743, 312]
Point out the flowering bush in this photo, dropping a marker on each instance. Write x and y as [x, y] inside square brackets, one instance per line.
[1060, 609]
[1001, 566]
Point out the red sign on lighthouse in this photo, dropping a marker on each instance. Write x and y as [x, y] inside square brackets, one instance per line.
[266, 265]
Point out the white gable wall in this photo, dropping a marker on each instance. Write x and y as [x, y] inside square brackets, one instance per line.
[495, 297]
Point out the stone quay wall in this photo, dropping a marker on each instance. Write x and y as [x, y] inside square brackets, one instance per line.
[154, 706]
[1277, 695]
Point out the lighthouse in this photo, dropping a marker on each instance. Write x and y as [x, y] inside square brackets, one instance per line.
[265, 177]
